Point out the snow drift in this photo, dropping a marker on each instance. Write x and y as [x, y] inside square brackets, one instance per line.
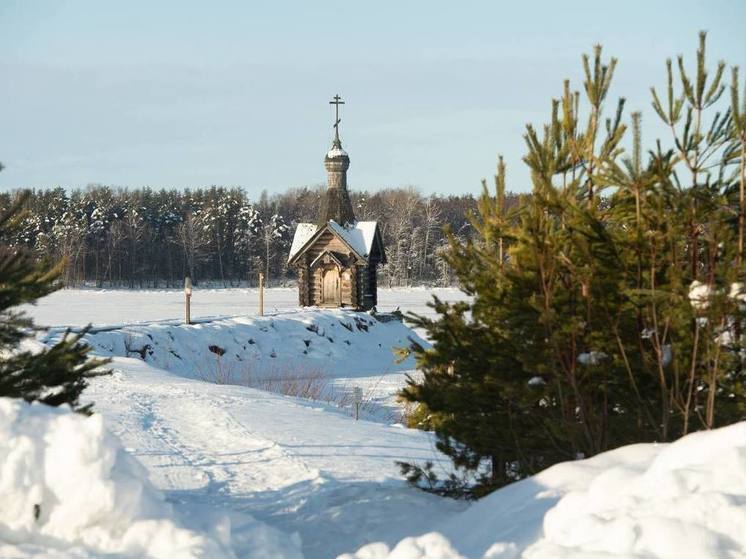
[331, 343]
[684, 499]
[68, 489]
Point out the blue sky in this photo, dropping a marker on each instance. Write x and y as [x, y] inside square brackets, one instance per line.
[187, 93]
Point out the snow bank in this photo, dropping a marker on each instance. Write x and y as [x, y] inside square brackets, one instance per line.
[68, 489]
[329, 343]
[684, 499]
[429, 546]
[690, 501]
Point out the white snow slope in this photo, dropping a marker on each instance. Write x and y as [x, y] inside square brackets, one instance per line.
[330, 343]
[265, 475]
[69, 490]
[681, 500]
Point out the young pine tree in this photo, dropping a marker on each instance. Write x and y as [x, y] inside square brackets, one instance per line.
[607, 308]
[57, 375]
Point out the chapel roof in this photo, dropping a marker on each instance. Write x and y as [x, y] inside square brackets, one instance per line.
[360, 236]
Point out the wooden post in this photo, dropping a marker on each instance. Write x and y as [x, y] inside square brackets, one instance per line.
[188, 300]
[357, 394]
[261, 294]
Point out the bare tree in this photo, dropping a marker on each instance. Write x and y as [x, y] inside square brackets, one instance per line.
[192, 242]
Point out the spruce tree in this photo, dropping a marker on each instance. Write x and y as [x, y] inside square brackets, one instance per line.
[57, 375]
[607, 308]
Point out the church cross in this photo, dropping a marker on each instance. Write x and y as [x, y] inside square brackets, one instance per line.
[336, 101]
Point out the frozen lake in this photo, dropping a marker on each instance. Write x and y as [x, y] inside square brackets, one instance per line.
[78, 307]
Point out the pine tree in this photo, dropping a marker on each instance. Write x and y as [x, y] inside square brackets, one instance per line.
[54, 376]
[738, 151]
[607, 306]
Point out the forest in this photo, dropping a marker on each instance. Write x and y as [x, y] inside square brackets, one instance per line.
[153, 238]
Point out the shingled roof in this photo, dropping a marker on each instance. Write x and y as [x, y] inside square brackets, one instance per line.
[359, 236]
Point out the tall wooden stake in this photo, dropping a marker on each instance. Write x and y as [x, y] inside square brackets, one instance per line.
[188, 300]
[261, 294]
[357, 394]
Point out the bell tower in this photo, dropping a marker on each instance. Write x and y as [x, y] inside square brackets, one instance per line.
[337, 205]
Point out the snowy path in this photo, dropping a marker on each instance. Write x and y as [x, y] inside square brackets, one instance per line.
[302, 467]
[299, 466]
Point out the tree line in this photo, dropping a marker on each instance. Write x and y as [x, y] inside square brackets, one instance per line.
[148, 238]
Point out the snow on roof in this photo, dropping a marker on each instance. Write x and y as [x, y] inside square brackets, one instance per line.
[336, 152]
[359, 236]
[303, 232]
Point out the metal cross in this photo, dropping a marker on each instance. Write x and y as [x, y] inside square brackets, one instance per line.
[337, 101]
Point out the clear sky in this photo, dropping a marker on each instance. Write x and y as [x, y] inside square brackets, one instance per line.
[193, 93]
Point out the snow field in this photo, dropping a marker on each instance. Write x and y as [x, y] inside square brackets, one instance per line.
[246, 473]
[104, 307]
[219, 452]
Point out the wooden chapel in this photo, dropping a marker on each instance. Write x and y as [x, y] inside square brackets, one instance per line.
[336, 258]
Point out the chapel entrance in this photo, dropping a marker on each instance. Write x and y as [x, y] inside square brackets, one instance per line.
[330, 290]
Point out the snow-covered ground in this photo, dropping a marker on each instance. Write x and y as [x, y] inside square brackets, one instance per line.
[300, 466]
[69, 489]
[78, 307]
[235, 471]
[681, 500]
[334, 343]
[303, 467]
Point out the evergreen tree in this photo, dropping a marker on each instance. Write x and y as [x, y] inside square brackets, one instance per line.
[607, 306]
[54, 376]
